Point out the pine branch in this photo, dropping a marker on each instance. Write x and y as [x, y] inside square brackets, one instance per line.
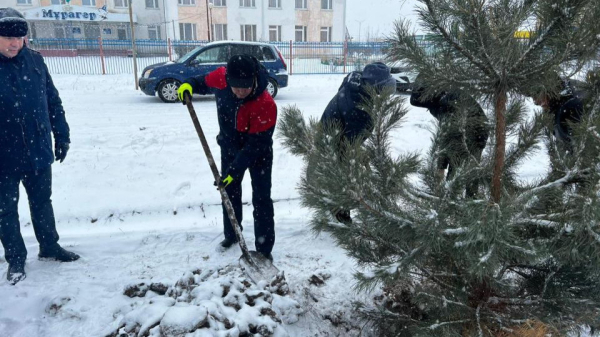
[537, 44]
[453, 43]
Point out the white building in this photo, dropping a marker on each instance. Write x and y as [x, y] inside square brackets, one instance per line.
[90, 19]
[249, 20]
[265, 20]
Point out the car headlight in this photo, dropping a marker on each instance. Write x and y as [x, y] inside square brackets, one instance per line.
[147, 73]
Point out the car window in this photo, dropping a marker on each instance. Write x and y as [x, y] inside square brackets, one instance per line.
[239, 49]
[268, 54]
[248, 49]
[218, 54]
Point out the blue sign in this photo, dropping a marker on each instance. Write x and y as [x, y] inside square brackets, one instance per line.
[68, 15]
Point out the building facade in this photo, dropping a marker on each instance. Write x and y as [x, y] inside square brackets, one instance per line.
[91, 19]
[247, 20]
[263, 20]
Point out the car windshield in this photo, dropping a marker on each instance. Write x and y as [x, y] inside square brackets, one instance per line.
[188, 55]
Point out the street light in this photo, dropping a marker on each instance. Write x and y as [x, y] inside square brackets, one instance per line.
[359, 27]
[207, 20]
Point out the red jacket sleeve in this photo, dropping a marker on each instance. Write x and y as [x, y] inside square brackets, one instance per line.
[216, 79]
[257, 115]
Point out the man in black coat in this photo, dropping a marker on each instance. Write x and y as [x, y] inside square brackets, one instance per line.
[247, 116]
[344, 110]
[565, 102]
[444, 107]
[30, 110]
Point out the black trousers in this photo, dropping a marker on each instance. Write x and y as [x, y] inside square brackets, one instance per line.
[38, 186]
[264, 224]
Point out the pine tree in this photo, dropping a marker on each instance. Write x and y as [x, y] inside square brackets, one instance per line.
[519, 252]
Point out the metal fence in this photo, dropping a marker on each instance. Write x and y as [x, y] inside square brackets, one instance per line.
[97, 56]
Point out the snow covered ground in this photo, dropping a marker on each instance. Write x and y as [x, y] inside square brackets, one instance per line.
[135, 198]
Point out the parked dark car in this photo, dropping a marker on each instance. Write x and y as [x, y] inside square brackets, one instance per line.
[164, 78]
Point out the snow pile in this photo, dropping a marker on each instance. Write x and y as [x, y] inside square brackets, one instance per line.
[208, 302]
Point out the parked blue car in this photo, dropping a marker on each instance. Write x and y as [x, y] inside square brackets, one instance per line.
[164, 78]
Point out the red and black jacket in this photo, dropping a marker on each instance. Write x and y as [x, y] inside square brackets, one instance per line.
[246, 125]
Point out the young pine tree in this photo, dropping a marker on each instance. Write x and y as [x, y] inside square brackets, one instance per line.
[516, 253]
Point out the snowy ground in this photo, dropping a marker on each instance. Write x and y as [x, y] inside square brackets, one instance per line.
[136, 199]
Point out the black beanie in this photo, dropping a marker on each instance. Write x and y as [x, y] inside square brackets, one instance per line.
[241, 71]
[12, 23]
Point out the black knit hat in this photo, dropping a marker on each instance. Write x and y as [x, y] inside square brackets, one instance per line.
[242, 71]
[12, 23]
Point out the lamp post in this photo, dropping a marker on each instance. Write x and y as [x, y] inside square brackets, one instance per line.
[359, 27]
[133, 48]
[207, 20]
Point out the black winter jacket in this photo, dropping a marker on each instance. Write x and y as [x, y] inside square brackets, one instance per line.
[567, 108]
[343, 108]
[246, 125]
[30, 108]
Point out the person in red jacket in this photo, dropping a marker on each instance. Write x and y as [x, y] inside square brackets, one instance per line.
[247, 116]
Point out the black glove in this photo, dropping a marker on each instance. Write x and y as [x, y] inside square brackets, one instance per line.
[60, 151]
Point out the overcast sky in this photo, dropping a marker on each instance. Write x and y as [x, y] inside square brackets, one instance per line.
[376, 17]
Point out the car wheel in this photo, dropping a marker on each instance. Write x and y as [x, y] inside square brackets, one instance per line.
[272, 88]
[167, 91]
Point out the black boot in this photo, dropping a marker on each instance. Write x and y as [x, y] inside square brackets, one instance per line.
[57, 253]
[343, 216]
[268, 256]
[15, 273]
[227, 243]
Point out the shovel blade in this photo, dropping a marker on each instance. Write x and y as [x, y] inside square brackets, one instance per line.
[259, 269]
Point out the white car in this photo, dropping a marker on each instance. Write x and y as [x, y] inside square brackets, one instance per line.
[403, 75]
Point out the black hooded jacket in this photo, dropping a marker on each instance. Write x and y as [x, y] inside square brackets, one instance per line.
[30, 109]
[344, 110]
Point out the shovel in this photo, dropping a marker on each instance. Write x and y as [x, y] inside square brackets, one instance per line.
[255, 265]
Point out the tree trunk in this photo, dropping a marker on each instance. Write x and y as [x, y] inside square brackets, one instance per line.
[499, 151]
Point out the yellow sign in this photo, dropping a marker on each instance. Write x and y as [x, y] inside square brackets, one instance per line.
[522, 34]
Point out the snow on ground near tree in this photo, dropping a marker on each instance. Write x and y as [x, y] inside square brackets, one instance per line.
[135, 198]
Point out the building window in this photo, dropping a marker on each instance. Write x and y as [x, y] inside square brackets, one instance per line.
[219, 32]
[107, 31]
[122, 34]
[154, 32]
[76, 30]
[88, 2]
[326, 4]
[274, 3]
[274, 33]
[247, 3]
[91, 31]
[59, 32]
[325, 34]
[151, 3]
[248, 32]
[187, 31]
[300, 33]
[121, 3]
[58, 2]
[301, 4]
[23, 2]
[187, 2]
[219, 3]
